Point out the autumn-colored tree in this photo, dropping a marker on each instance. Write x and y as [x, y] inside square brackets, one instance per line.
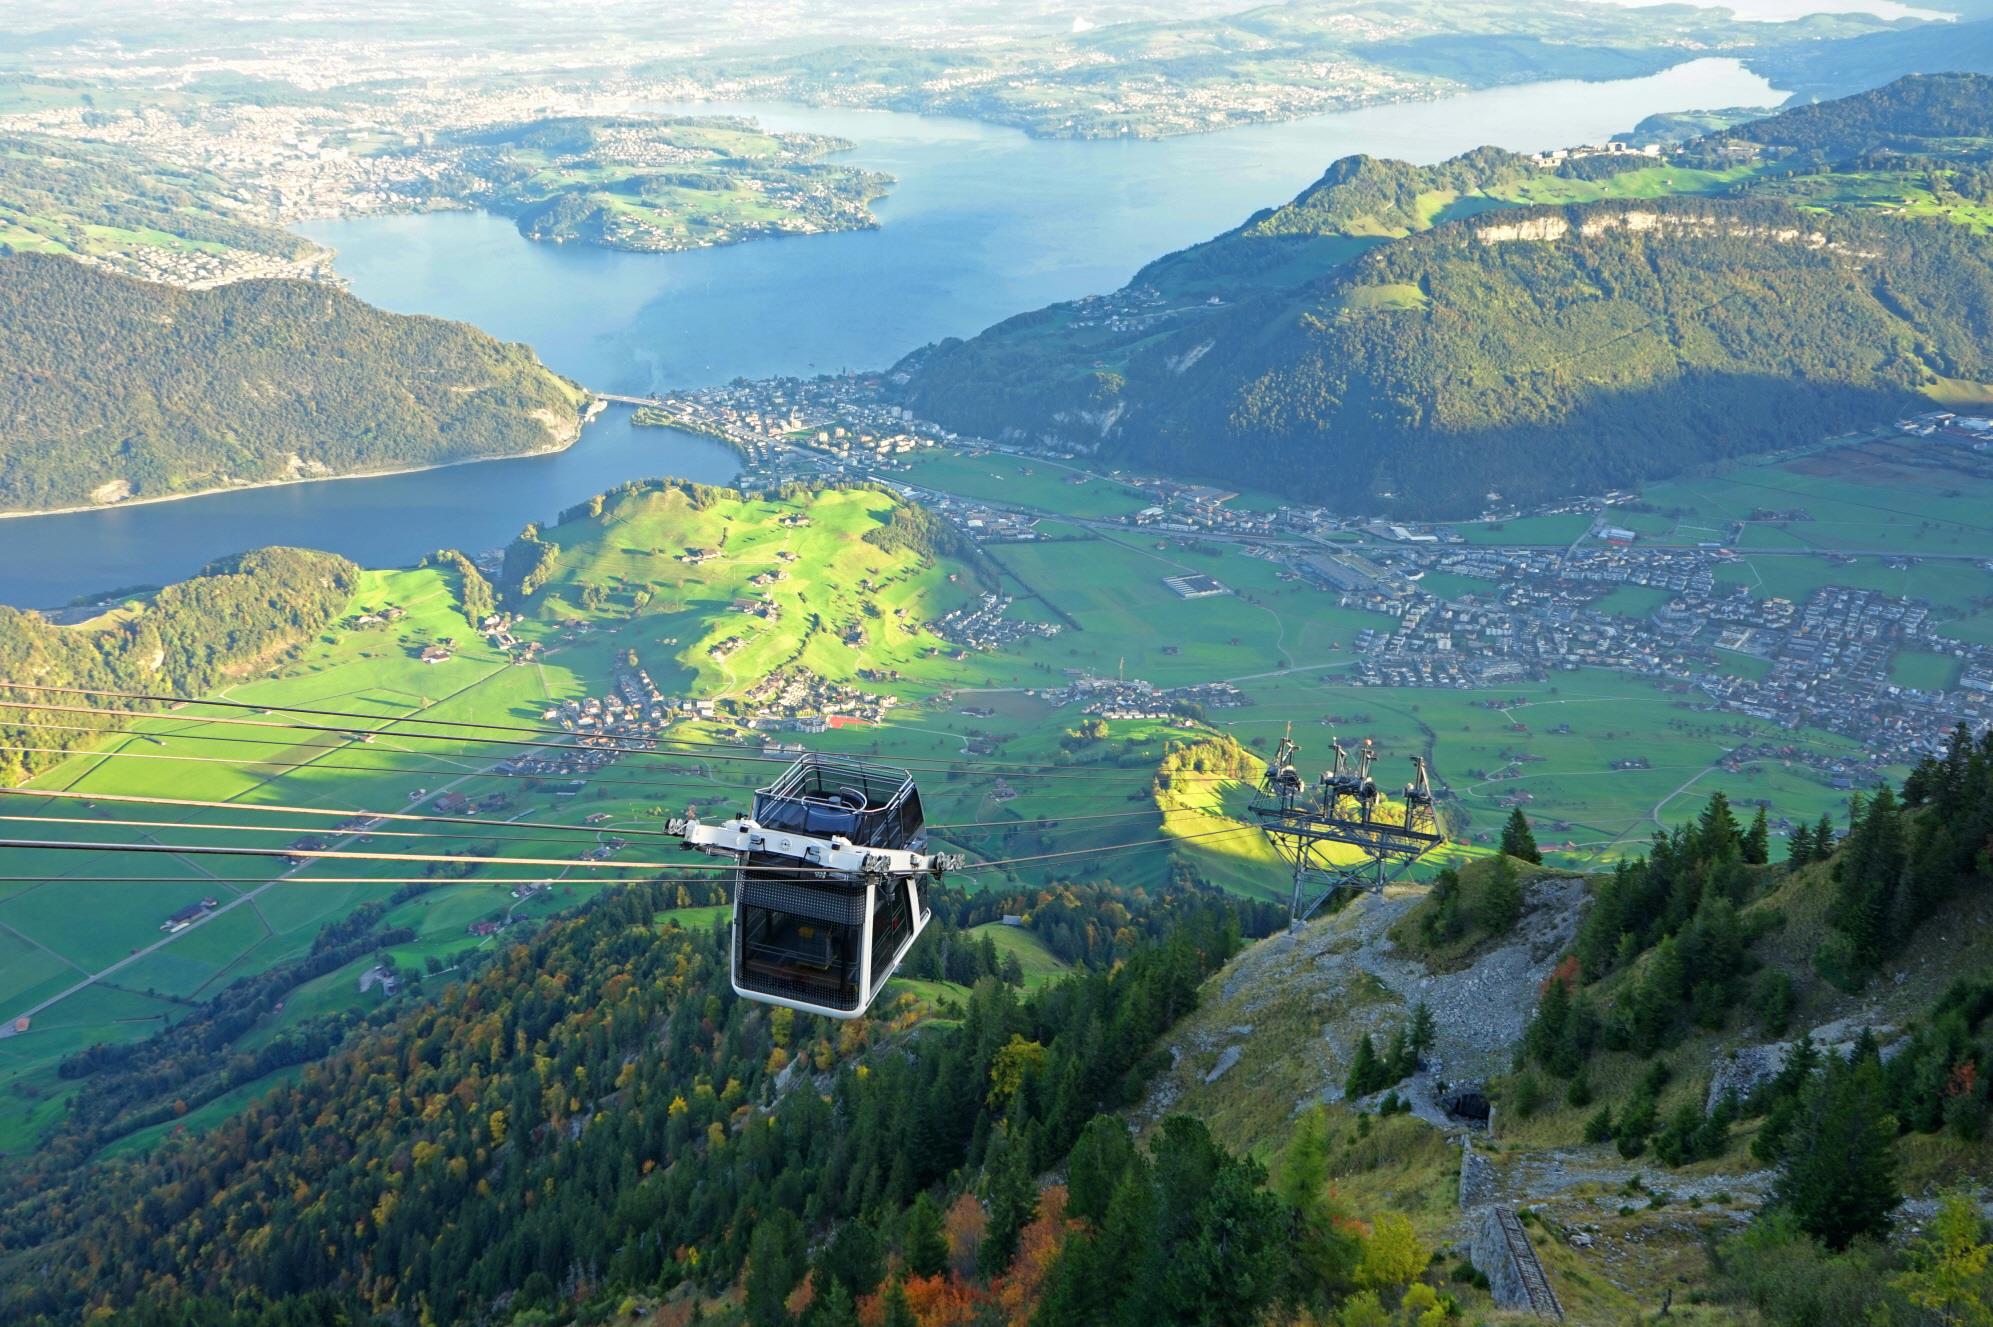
[1019, 1289]
[1947, 1277]
[1363, 1309]
[966, 1225]
[1015, 1064]
[943, 1301]
[1393, 1255]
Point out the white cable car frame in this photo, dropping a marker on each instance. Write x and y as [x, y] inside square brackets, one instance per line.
[831, 891]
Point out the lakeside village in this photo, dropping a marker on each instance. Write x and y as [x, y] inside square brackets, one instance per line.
[1822, 663]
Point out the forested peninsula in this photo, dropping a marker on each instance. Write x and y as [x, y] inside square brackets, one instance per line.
[237, 615]
[114, 389]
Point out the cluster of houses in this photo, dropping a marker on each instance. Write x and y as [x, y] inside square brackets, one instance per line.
[1829, 660]
[1135, 698]
[798, 700]
[987, 625]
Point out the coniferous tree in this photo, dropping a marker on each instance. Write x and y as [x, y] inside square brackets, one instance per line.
[1079, 1292]
[1836, 1171]
[926, 1239]
[1518, 840]
[1326, 1248]
[1758, 839]
[1501, 903]
[1419, 1040]
[1717, 828]
[1443, 922]
[1799, 845]
[898, 1312]
[774, 1265]
[1867, 877]
[1929, 875]
[1013, 1200]
[853, 1259]
[1099, 1159]
[1131, 1244]
[1772, 1002]
[1366, 1070]
[834, 1308]
[1235, 1264]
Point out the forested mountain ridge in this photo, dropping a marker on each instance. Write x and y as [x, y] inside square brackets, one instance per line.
[113, 388]
[1372, 331]
[1903, 116]
[236, 614]
[1528, 353]
[595, 1108]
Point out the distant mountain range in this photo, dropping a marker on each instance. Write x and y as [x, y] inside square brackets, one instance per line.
[114, 389]
[1414, 340]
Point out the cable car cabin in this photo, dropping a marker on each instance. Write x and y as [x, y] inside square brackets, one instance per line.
[831, 891]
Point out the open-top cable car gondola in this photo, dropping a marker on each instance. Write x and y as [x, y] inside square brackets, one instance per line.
[831, 890]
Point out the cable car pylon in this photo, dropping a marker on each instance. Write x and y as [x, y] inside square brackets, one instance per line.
[1313, 829]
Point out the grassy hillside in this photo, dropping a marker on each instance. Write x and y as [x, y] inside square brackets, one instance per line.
[1416, 322]
[1040, 964]
[115, 389]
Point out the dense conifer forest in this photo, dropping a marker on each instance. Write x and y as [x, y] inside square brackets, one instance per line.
[594, 1110]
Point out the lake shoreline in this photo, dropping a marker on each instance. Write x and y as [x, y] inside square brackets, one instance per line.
[581, 423]
[983, 222]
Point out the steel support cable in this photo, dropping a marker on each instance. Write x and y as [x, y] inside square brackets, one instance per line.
[133, 799]
[223, 827]
[488, 828]
[338, 854]
[245, 883]
[1031, 822]
[1040, 825]
[161, 739]
[318, 854]
[1111, 848]
[727, 751]
[316, 764]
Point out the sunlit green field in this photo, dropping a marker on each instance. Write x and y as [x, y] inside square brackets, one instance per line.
[1040, 801]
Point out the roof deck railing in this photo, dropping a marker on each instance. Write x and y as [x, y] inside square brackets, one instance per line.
[873, 806]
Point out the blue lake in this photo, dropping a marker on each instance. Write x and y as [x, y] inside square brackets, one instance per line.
[982, 223]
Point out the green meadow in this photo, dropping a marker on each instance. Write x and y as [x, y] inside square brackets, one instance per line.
[1599, 760]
